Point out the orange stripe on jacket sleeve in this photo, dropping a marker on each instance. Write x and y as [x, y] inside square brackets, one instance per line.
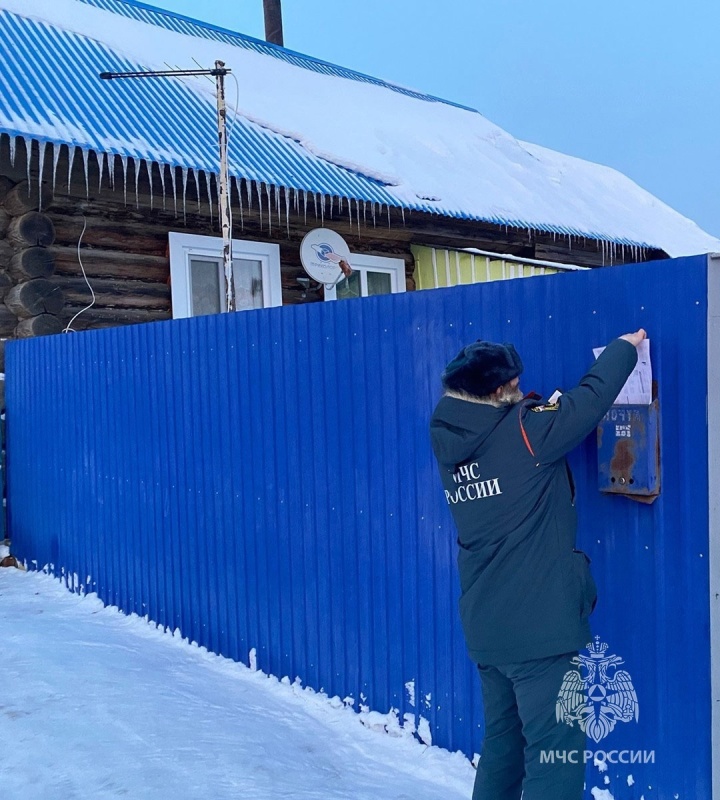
[524, 434]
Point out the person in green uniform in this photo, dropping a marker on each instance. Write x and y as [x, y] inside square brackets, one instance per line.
[526, 592]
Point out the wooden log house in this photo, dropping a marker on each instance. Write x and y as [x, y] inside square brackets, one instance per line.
[120, 238]
[90, 237]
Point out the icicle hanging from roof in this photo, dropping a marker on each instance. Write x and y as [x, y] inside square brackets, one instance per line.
[260, 205]
[238, 188]
[136, 167]
[248, 192]
[174, 188]
[86, 170]
[28, 151]
[42, 146]
[161, 173]
[148, 169]
[184, 193]
[124, 162]
[269, 199]
[208, 189]
[56, 159]
[101, 168]
[197, 187]
[287, 211]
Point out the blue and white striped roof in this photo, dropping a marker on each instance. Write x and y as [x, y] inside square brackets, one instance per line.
[50, 92]
[299, 123]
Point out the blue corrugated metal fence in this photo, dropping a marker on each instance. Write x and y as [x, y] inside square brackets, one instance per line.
[264, 480]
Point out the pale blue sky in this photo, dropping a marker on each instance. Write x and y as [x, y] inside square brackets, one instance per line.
[634, 84]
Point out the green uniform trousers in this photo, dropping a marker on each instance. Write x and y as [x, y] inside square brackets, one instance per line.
[520, 725]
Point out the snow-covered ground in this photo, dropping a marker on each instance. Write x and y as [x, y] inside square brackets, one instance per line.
[95, 704]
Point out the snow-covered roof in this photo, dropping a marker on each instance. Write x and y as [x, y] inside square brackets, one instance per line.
[301, 124]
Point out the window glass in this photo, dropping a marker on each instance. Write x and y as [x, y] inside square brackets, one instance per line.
[349, 287]
[378, 283]
[372, 275]
[198, 275]
[248, 284]
[205, 286]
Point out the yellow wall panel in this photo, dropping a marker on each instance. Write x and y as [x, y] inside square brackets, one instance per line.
[436, 268]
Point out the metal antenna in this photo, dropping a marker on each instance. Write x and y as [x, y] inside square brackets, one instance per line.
[201, 67]
[219, 74]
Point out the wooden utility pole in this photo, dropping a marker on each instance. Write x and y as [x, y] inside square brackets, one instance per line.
[224, 187]
[219, 74]
[273, 21]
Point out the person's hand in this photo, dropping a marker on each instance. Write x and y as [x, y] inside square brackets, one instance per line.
[635, 338]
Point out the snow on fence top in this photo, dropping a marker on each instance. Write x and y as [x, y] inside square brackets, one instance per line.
[300, 124]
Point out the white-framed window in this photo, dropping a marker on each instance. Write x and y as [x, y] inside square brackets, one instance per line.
[197, 277]
[371, 275]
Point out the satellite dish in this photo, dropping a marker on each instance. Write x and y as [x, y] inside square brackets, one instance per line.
[325, 256]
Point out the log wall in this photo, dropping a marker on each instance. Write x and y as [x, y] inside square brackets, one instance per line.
[115, 225]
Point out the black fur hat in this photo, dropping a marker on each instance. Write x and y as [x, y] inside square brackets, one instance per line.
[481, 368]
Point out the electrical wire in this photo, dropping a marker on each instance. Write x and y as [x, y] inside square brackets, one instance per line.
[69, 328]
[237, 102]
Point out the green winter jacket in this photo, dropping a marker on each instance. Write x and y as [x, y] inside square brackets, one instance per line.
[526, 592]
